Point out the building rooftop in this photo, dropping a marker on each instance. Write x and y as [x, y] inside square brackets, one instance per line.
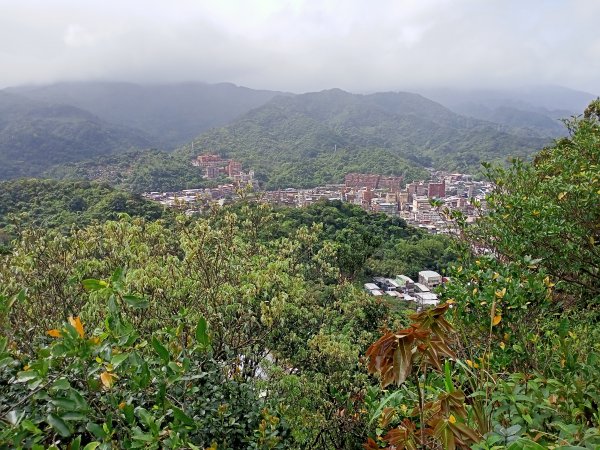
[429, 274]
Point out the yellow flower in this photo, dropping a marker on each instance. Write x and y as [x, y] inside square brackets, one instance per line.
[472, 364]
[452, 419]
[496, 320]
[54, 333]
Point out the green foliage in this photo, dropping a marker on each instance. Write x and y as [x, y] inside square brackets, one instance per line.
[549, 211]
[108, 389]
[368, 244]
[136, 171]
[270, 309]
[61, 204]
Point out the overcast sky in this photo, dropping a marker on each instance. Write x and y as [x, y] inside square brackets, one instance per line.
[304, 45]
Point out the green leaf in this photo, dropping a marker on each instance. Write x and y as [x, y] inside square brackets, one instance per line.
[91, 284]
[117, 276]
[26, 375]
[76, 443]
[135, 302]
[60, 385]
[96, 430]
[91, 446]
[64, 403]
[201, 332]
[147, 420]
[161, 350]
[183, 417]
[59, 425]
[30, 426]
[117, 360]
[513, 430]
[59, 350]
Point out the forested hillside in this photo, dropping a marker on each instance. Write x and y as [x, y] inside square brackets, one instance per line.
[136, 171]
[314, 138]
[46, 204]
[36, 135]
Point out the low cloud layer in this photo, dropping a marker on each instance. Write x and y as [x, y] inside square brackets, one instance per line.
[304, 45]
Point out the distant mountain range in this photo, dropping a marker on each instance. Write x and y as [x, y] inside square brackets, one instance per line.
[287, 139]
[531, 110]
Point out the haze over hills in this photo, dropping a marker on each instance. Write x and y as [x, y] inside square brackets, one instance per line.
[35, 135]
[533, 109]
[287, 139]
[171, 114]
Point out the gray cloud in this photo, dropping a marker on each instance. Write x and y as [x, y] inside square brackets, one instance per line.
[302, 45]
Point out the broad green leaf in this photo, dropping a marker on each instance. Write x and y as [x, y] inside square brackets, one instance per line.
[183, 417]
[135, 302]
[160, 349]
[26, 375]
[91, 284]
[59, 425]
[201, 332]
[76, 443]
[117, 360]
[60, 385]
[64, 403]
[91, 446]
[96, 430]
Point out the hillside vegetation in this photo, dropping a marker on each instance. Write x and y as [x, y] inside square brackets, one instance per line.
[47, 204]
[136, 171]
[84, 130]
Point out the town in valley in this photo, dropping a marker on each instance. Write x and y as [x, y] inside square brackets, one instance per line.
[412, 202]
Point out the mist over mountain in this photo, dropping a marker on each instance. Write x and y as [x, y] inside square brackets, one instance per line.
[287, 139]
[35, 135]
[533, 109]
[172, 114]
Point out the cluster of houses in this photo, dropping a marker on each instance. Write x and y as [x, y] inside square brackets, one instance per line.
[420, 293]
[385, 194]
[373, 192]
